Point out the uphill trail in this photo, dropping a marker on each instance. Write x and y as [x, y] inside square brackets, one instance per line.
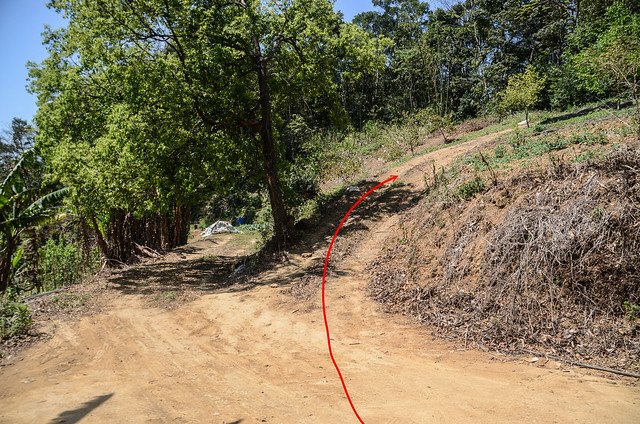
[256, 354]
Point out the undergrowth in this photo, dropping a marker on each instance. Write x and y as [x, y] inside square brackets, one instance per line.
[468, 190]
[15, 317]
[519, 147]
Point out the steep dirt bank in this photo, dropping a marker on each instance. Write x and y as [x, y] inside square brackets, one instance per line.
[253, 353]
[546, 260]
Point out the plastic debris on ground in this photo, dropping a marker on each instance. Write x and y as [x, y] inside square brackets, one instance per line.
[220, 227]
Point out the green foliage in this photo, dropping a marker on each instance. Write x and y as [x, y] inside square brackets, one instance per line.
[429, 121]
[597, 214]
[414, 129]
[588, 155]
[190, 100]
[23, 207]
[15, 318]
[520, 147]
[539, 146]
[523, 92]
[14, 143]
[631, 310]
[60, 264]
[229, 207]
[264, 220]
[470, 189]
[500, 152]
[442, 124]
[302, 182]
[589, 138]
[565, 89]
[302, 176]
[149, 106]
[612, 63]
[456, 59]
[338, 156]
[612, 60]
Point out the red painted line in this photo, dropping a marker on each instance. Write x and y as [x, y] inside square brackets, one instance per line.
[324, 283]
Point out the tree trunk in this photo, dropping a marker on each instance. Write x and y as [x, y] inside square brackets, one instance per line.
[638, 120]
[102, 244]
[444, 135]
[177, 225]
[182, 217]
[636, 100]
[280, 219]
[526, 117]
[5, 262]
[125, 233]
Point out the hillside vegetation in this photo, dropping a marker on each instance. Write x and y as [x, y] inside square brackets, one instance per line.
[529, 246]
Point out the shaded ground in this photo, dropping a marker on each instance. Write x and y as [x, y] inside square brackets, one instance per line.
[252, 353]
[585, 111]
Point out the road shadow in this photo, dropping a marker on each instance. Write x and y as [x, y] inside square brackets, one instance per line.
[208, 275]
[177, 272]
[203, 274]
[585, 111]
[75, 415]
[316, 232]
[312, 236]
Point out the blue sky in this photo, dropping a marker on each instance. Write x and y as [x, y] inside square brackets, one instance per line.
[351, 8]
[21, 26]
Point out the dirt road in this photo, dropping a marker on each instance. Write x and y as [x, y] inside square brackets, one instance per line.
[256, 354]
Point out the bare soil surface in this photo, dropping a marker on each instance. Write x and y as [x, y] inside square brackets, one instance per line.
[248, 351]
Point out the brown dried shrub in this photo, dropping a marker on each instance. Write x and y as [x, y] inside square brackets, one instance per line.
[552, 269]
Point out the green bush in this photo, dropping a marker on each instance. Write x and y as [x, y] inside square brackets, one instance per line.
[589, 139]
[555, 143]
[301, 185]
[342, 162]
[203, 222]
[631, 310]
[15, 318]
[60, 264]
[500, 152]
[230, 206]
[468, 190]
[587, 156]
[517, 138]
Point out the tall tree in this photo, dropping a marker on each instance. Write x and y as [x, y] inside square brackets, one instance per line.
[397, 88]
[612, 63]
[14, 142]
[213, 71]
[523, 92]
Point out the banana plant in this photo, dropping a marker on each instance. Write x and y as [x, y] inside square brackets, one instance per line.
[21, 208]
